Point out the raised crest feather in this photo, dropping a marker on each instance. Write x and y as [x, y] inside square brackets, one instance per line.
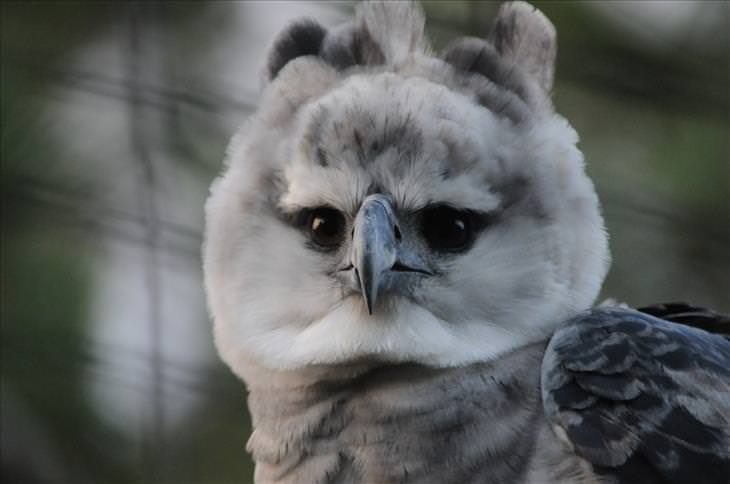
[397, 27]
[301, 38]
[524, 36]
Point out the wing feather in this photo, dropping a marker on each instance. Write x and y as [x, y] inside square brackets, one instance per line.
[690, 315]
[641, 398]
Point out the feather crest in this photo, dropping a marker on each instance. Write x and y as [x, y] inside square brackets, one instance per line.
[397, 27]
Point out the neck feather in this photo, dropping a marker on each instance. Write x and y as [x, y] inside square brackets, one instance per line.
[379, 422]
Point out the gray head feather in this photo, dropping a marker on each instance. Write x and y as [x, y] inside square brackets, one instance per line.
[396, 27]
[526, 38]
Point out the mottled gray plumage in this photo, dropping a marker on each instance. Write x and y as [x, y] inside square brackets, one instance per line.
[390, 254]
[642, 399]
[382, 423]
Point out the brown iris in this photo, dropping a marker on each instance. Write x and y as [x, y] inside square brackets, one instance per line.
[326, 227]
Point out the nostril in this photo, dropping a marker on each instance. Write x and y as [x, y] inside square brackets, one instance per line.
[396, 232]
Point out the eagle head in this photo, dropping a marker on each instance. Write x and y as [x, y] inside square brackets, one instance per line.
[386, 203]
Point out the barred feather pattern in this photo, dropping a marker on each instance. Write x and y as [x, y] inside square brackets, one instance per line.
[643, 399]
[408, 423]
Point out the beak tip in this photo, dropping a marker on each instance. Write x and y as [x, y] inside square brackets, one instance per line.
[369, 303]
[366, 294]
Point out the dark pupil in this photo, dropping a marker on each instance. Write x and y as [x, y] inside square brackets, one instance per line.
[326, 226]
[447, 229]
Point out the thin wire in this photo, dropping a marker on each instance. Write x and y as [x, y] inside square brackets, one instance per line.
[91, 360]
[43, 193]
[151, 95]
[146, 183]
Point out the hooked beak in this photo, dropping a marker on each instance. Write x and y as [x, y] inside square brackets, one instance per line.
[379, 255]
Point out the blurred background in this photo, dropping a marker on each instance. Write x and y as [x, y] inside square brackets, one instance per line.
[115, 118]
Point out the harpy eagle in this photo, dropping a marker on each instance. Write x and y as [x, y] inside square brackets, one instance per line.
[401, 260]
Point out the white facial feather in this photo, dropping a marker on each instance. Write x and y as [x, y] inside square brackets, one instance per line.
[275, 301]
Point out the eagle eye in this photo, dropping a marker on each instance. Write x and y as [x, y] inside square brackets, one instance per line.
[447, 229]
[326, 227]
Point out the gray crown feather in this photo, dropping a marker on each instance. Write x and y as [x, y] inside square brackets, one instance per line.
[518, 55]
[396, 27]
[525, 37]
